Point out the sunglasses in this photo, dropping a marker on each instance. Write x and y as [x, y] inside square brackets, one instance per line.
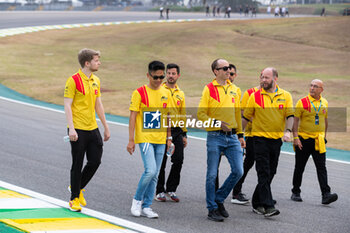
[157, 77]
[232, 73]
[224, 68]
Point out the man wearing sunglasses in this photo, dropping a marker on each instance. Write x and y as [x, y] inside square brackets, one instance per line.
[237, 93]
[218, 105]
[179, 137]
[148, 110]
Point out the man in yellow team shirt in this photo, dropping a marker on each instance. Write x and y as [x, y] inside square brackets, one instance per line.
[82, 97]
[269, 107]
[237, 95]
[309, 129]
[179, 137]
[218, 105]
[148, 111]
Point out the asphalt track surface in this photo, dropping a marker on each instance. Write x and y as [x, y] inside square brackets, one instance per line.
[34, 156]
[32, 18]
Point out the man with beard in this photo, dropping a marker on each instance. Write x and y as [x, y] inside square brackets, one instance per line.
[179, 138]
[270, 107]
[82, 97]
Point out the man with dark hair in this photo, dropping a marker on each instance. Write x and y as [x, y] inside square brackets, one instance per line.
[309, 138]
[218, 106]
[177, 107]
[148, 106]
[82, 97]
[269, 107]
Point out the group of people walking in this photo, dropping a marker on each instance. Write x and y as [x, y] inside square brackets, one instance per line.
[259, 123]
[217, 10]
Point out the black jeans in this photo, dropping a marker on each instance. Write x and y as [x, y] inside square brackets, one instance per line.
[301, 158]
[267, 152]
[89, 142]
[177, 160]
[247, 164]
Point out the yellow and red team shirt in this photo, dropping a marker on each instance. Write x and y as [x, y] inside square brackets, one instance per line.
[238, 93]
[269, 111]
[152, 108]
[84, 91]
[219, 102]
[306, 113]
[177, 106]
[244, 102]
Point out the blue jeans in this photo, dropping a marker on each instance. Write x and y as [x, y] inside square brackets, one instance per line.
[216, 143]
[152, 156]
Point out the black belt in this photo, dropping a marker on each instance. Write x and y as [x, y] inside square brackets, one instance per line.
[227, 132]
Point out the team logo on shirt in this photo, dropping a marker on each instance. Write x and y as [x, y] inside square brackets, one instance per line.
[280, 106]
[151, 120]
[179, 97]
[164, 98]
[281, 100]
[233, 93]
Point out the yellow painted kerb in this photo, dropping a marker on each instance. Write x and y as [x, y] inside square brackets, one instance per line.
[11, 194]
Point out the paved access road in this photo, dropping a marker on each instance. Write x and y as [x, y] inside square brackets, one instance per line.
[34, 156]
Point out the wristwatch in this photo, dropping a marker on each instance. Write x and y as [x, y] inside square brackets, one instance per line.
[169, 138]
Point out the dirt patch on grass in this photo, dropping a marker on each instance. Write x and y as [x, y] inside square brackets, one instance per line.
[38, 64]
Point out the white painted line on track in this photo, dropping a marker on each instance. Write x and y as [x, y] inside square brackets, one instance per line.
[93, 213]
[121, 124]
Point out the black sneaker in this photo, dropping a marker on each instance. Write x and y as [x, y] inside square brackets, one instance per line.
[239, 199]
[296, 197]
[329, 198]
[215, 216]
[271, 211]
[222, 210]
[259, 210]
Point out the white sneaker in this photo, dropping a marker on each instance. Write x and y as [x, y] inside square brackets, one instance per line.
[136, 208]
[149, 213]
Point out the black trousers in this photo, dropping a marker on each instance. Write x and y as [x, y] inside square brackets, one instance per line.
[267, 152]
[177, 160]
[89, 142]
[247, 164]
[301, 158]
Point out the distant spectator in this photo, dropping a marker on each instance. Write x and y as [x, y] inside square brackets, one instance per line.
[218, 11]
[207, 11]
[277, 11]
[281, 14]
[287, 12]
[323, 12]
[254, 11]
[214, 11]
[167, 12]
[246, 10]
[161, 9]
[283, 11]
[228, 11]
[240, 9]
[268, 10]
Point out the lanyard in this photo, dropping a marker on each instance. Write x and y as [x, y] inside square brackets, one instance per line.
[319, 108]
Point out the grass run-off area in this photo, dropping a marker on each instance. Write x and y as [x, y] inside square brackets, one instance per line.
[302, 49]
